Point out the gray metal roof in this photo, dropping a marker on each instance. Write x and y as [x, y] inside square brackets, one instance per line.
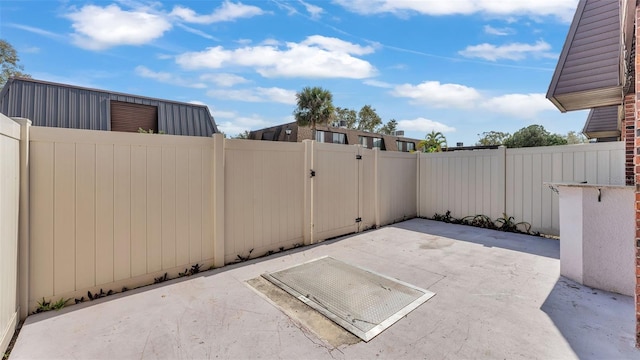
[588, 71]
[61, 105]
[602, 122]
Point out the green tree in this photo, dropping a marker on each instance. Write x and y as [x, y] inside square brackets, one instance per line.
[433, 142]
[493, 138]
[349, 116]
[389, 128]
[242, 135]
[314, 106]
[534, 135]
[574, 137]
[368, 119]
[9, 63]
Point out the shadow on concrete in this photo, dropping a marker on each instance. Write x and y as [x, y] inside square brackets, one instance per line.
[592, 320]
[535, 245]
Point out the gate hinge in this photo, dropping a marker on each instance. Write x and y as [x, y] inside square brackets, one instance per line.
[358, 220]
[312, 173]
[358, 157]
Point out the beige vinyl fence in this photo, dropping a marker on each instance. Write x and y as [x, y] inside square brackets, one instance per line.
[107, 210]
[511, 181]
[264, 197]
[397, 186]
[111, 210]
[9, 197]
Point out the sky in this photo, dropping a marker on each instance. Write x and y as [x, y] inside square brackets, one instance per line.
[460, 67]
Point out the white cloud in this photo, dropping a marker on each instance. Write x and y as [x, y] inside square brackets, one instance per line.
[259, 94]
[168, 78]
[438, 95]
[525, 106]
[488, 29]
[434, 94]
[337, 45]
[271, 42]
[315, 57]
[378, 83]
[562, 9]
[224, 79]
[423, 125]
[228, 11]
[98, 28]
[313, 10]
[242, 123]
[512, 51]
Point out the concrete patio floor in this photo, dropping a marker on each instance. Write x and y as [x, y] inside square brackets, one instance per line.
[498, 296]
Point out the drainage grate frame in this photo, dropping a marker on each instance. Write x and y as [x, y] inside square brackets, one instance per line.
[362, 301]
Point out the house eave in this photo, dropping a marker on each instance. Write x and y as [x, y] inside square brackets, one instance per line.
[588, 99]
[602, 134]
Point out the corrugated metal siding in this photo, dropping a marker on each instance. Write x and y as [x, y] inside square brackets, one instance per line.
[592, 59]
[58, 105]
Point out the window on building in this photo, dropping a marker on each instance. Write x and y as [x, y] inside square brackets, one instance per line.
[339, 138]
[364, 141]
[406, 146]
[319, 136]
[129, 117]
[378, 143]
[267, 135]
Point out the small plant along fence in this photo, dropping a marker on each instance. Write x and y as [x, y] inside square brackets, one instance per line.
[511, 181]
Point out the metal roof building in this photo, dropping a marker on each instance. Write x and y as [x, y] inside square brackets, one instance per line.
[67, 106]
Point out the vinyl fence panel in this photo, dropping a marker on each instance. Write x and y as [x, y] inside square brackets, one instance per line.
[9, 192]
[112, 210]
[264, 197]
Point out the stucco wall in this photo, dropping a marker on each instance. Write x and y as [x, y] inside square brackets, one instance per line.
[571, 235]
[608, 239]
[596, 237]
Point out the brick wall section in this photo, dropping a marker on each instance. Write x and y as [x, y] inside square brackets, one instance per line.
[636, 162]
[627, 135]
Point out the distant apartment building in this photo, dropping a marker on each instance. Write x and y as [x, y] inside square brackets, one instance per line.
[292, 132]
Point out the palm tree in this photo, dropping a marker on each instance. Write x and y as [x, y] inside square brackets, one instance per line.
[314, 106]
[433, 142]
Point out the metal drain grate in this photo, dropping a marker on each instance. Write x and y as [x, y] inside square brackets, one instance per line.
[359, 300]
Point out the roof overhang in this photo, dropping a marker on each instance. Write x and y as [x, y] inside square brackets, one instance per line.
[603, 134]
[603, 122]
[581, 100]
[588, 73]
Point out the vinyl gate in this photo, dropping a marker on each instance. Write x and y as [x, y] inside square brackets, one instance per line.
[342, 190]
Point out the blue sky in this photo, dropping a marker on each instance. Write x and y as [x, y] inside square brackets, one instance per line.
[461, 67]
